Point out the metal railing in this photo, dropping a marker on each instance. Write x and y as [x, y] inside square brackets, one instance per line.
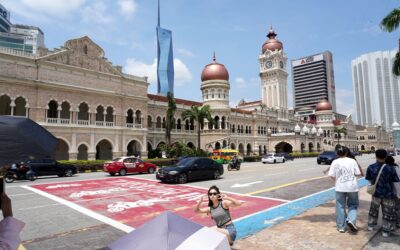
[99, 123]
[52, 120]
[83, 122]
[109, 124]
[65, 121]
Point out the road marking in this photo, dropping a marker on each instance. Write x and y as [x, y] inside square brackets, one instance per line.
[246, 184]
[285, 185]
[83, 210]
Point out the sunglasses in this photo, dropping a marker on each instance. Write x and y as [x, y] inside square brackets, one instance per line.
[212, 193]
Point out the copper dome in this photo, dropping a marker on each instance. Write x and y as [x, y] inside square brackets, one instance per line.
[323, 105]
[272, 44]
[214, 71]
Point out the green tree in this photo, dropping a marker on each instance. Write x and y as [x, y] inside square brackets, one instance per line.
[338, 131]
[198, 114]
[170, 117]
[390, 23]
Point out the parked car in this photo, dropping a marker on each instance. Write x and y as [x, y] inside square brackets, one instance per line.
[189, 169]
[356, 153]
[391, 153]
[326, 157]
[287, 156]
[273, 158]
[43, 167]
[128, 164]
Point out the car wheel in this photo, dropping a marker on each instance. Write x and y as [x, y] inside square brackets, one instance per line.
[112, 174]
[122, 172]
[229, 167]
[182, 178]
[9, 178]
[68, 173]
[238, 168]
[318, 162]
[274, 161]
[151, 171]
[216, 175]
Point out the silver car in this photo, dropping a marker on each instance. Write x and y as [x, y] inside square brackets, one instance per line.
[273, 158]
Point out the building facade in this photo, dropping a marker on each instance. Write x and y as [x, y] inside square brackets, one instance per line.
[313, 81]
[376, 89]
[98, 112]
[5, 23]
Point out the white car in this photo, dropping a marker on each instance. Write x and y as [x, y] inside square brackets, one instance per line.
[273, 158]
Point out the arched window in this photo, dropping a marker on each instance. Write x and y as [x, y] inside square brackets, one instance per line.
[138, 118]
[83, 114]
[158, 122]
[65, 113]
[20, 106]
[5, 108]
[129, 118]
[52, 112]
[149, 122]
[110, 114]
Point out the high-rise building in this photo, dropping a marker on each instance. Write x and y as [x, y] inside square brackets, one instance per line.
[165, 62]
[4, 19]
[376, 89]
[313, 80]
[19, 37]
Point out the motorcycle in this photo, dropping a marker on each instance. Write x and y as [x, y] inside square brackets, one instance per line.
[19, 172]
[234, 165]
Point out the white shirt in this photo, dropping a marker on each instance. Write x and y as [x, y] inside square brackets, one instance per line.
[345, 170]
[10, 229]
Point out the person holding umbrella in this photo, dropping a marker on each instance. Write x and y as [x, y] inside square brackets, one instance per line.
[218, 206]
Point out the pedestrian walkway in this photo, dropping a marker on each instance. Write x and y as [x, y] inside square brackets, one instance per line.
[316, 229]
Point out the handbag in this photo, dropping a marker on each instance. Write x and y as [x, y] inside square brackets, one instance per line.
[372, 188]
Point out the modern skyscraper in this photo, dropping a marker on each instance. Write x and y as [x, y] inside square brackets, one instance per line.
[376, 89]
[19, 37]
[313, 80]
[4, 19]
[165, 62]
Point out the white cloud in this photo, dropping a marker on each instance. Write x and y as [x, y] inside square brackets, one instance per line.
[240, 82]
[96, 13]
[344, 101]
[127, 7]
[185, 52]
[43, 9]
[138, 68]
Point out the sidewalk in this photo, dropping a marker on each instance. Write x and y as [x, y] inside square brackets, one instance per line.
[316, 229]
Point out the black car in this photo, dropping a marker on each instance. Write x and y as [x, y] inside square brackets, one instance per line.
[190, 168]
[326, 157]
[287, 157]
[51, 167]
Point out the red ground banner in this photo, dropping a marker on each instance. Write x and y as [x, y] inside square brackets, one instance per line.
[134, 201]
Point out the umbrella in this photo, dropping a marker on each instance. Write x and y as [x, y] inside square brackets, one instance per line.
[170, 231]
[22, 139]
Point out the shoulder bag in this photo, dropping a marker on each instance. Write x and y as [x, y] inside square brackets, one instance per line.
[372, 188]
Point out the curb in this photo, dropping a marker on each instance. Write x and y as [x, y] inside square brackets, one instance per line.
[90, 171]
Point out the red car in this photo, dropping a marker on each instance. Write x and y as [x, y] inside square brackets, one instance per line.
[128, 164]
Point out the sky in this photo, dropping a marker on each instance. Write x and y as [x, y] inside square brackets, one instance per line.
[234, 29]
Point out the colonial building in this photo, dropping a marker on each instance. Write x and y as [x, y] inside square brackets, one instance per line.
[98, 112]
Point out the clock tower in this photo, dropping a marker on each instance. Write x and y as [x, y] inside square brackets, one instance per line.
[273, 73]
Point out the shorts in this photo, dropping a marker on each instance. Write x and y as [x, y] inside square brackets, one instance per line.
[232, 231]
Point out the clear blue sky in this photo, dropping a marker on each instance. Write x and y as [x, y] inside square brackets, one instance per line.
[234, 29]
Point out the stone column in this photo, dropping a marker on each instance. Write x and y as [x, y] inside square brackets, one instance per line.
[59, 113]
[12, 105]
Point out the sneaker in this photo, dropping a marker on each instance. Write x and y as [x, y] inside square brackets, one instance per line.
[352, 226]
[370, 228]
[341, 230]
[385, 234]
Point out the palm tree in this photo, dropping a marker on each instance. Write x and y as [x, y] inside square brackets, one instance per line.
[170, 117]
[390, 23]
[338, 131]
[198, 114]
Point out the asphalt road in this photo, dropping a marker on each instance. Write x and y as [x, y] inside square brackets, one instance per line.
[52, 225]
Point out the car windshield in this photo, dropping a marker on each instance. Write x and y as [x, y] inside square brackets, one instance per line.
[268, 155]
[328, 153]
[117, 159]
[185, 162]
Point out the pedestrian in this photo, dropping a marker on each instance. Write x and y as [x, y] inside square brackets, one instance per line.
[384, 195]
[397, 187]
[344, 171]
[350, 155]
[10, 228]
[218, 206]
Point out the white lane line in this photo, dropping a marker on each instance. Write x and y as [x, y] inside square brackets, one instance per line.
[83, 210]
[29, 208]
[13, 195]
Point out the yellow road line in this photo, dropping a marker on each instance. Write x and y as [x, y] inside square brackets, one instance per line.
[285, 185]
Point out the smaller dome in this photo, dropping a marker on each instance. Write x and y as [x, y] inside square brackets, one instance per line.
[305, 129]
[395, 125]
[272, 43]
[214, 71]
[297, 129]
[313, 130]
[320, 131]
[323, 106]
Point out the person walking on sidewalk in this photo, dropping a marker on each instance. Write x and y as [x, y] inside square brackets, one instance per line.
[384, 195]
[397, 187]
[344, 172]
[218, 207]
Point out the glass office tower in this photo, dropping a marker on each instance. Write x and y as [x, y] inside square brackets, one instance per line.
[165, 62]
